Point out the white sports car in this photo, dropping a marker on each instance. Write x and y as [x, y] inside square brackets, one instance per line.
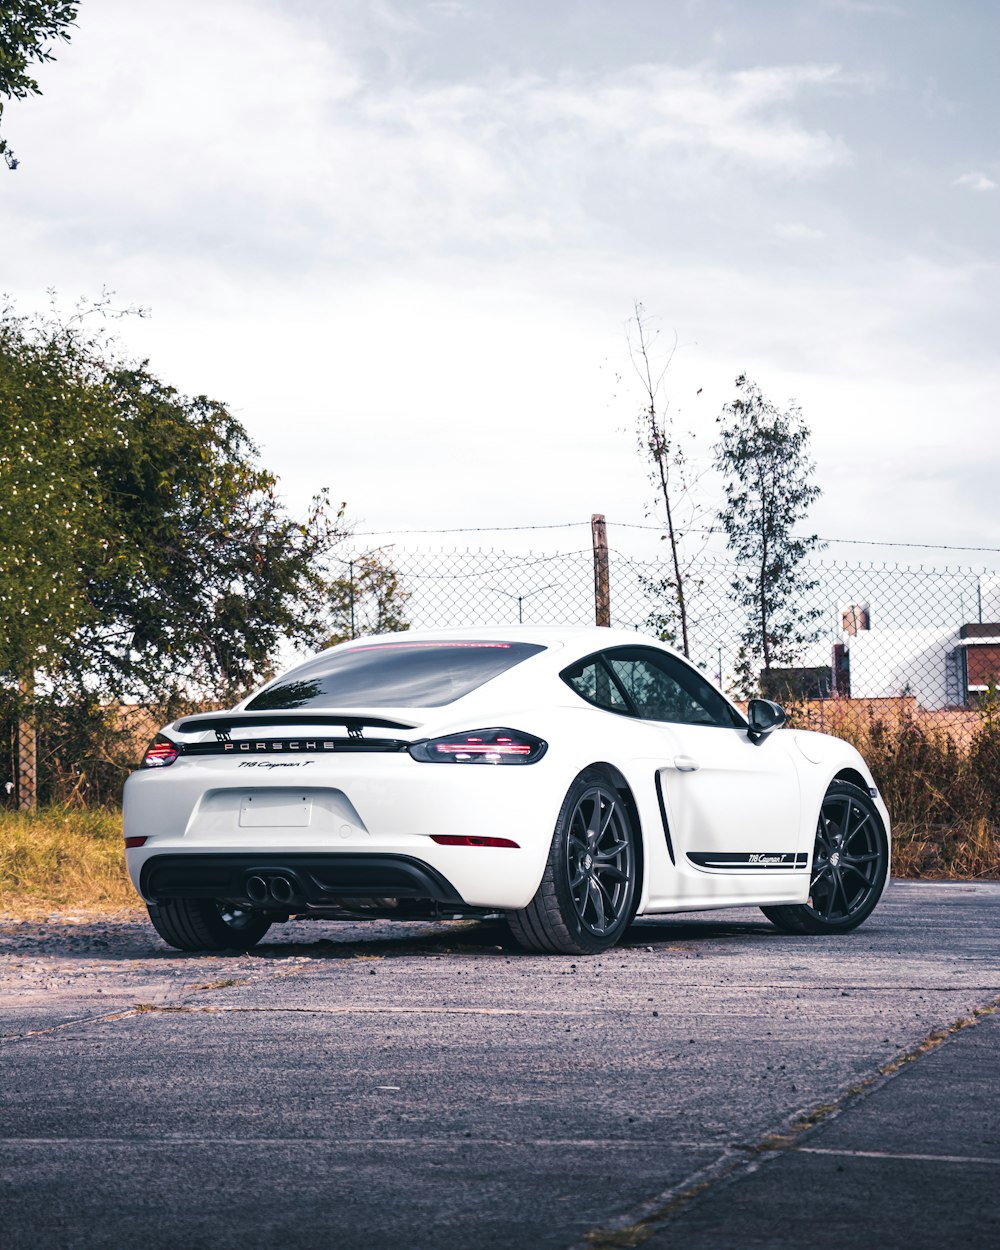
[570, 779]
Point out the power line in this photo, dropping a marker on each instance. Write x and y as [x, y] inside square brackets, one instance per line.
[633, 525]
[476, 529]
[853, 542]
[874, 542]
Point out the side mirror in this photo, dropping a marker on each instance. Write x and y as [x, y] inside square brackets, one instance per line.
[763, 716]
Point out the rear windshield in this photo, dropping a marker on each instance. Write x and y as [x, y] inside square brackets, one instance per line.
[392, 674]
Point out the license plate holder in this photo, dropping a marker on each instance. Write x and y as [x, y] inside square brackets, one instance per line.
[287, 810]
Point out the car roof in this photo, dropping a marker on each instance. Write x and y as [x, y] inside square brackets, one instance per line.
[584, 637]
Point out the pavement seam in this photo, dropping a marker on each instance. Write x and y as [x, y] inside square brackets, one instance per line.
[894, 1154]
[645, 1220]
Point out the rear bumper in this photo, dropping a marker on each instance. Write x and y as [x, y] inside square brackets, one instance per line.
[292, 881]
[379, 809]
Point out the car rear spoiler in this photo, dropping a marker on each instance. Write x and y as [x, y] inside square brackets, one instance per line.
[224, 723]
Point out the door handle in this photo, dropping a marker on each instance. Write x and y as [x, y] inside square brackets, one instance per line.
[685, 764]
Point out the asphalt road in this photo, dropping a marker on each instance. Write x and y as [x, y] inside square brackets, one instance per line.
[711, 1083]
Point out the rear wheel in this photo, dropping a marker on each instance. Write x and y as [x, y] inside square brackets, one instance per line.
[207, 924]
[587, 895]
[850, 863]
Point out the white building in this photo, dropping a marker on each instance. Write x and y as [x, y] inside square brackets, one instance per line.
[925, 663]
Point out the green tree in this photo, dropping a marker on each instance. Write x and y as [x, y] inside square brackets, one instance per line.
[143, 547]
[366, 599]
[27, 28]
[52, 420]
[763, 456]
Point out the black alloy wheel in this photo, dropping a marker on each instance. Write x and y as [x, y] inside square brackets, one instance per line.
[588, 892]
[207, 924]
[849, 866]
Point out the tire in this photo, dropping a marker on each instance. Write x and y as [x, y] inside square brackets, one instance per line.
[588, 893]
[206, 924]
[849, 866]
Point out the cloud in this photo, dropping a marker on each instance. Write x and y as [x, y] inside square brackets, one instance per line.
[737, 116]
[975, 181]
[245, 136]
[798, 230]
[406, 283]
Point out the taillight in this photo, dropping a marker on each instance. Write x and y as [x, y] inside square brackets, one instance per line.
[133, 842]
[160, 752]
[480, 746]
[471, 839]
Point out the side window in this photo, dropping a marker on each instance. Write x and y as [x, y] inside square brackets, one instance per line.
[592, 681]
[661, 687]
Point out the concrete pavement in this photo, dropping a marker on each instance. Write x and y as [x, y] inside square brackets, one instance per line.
[378, 1086]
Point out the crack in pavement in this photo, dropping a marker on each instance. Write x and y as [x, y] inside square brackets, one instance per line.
[186, 1007]
[354, 1010]
[460, 1141]
[650, 1217]
[64, 1024]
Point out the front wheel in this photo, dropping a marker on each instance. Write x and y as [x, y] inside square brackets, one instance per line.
[587, 895]
[849, 868]
[207, 924]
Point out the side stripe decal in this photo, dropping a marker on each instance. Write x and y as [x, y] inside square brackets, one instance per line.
[744, 861]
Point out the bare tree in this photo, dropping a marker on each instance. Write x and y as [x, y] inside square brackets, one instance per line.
[661, 446]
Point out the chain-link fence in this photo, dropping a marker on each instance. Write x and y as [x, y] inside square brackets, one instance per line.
[889, 647]
[929, 637]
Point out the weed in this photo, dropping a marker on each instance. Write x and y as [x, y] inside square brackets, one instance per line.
[939, 774]
[62, 857]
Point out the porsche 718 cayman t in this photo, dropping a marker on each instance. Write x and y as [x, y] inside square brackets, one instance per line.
[569, 779]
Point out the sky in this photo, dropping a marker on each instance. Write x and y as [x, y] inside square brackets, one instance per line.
[401, 239]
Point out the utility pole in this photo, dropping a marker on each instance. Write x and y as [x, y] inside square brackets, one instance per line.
[602, 579]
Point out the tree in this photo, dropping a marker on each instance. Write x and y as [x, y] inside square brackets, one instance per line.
[26, 29]
[366, 599]
[763, 455]
[661, 446]
[52, 417]
[143, 547]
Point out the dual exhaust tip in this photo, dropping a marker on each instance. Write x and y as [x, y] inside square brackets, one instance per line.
[270, 889]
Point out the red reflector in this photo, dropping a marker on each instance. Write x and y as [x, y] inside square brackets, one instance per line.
[451, 839]
[135, 842]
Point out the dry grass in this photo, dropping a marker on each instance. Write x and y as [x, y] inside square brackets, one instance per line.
[939, 773]
[960, 852]
[62, 858]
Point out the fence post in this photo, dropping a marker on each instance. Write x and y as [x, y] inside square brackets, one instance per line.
[27, 754]
[602, 580]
